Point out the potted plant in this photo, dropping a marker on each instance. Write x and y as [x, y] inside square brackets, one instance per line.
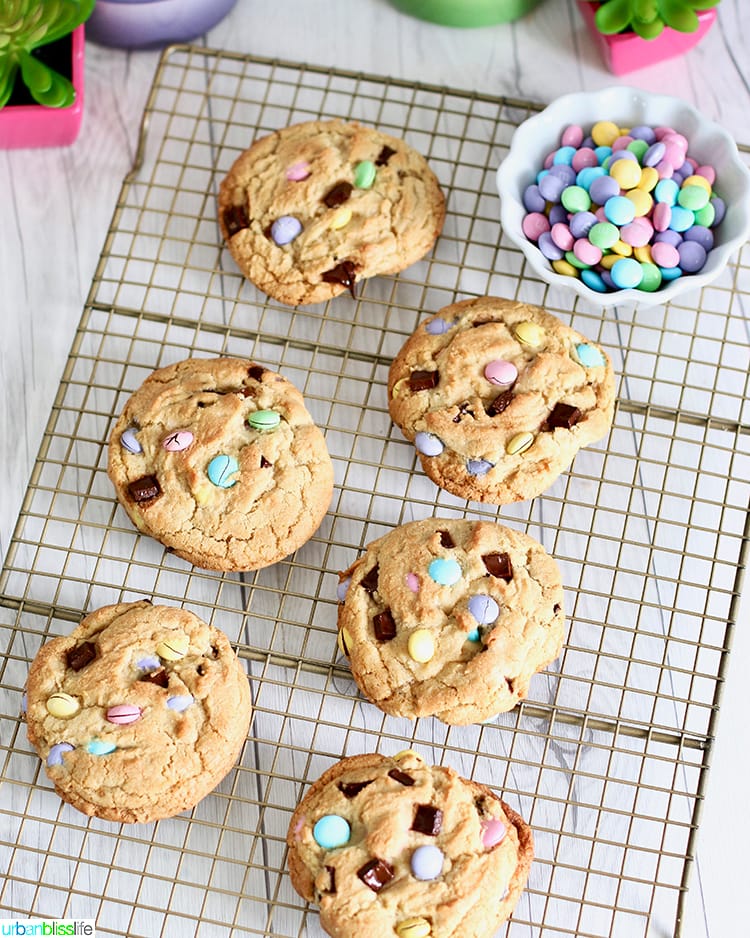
[634, 33]
[41, 71]
[467, 12]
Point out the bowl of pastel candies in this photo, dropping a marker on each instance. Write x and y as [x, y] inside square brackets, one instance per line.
[624, 196]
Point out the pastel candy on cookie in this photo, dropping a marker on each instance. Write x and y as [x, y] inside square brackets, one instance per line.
[493, 832]
[56, 753]
[285, 229]
[129, 441]
[421, 645]
[177, 441]
[222, 471]
[445, 571]
[174, 647]
[427, 862]
[180, 702]
[264, 419]
[123, 714]
[416, 927]
[62, 705]
[331, 831]
[100, 747]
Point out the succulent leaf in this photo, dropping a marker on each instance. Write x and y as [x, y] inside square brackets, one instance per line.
[613, 16]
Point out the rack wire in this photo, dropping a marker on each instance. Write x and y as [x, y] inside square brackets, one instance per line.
[607, 759]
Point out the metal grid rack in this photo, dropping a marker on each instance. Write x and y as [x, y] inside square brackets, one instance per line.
[607, 758]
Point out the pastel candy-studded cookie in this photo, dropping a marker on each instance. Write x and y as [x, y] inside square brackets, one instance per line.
[498, 397]
[139, 713]
[311, 210]
[451, 618]
[220, 461]
[427, 853]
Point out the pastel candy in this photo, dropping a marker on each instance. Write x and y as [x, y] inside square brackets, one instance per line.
[331, 831]
[484, 608]
[444, 570]
[626, 273]
[173, 648]
[692, 256]
[123, 714]
[129, 441]
[427, 862]
[529, 333]
[493, 832]
[437, 326]
[177, 440]
[535, 224]
[421, 645]
[344, 641]
[479, 467]
[342, 588]
[62, 705]
[222, 471]
[428, 444]
[150, 663]
[364, 174]
[180, 702]
[55, 754]
[416, 927]
[100, 747]
[412, 582]
[589, 355]
[519, 443]
[474, 636]
[298, 171]
[264, 420]
[285, 229]
[501, 373]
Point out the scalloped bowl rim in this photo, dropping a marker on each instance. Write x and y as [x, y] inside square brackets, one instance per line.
[536, 136]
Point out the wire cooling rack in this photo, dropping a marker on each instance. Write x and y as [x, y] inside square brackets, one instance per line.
[608, 757]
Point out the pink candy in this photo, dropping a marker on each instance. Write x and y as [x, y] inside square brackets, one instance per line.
[123, 714]
[535, 224]
[298, 171]
[662, 216]
[572, 136]
[412, 581]
[562, 237]
[664, 254]
[637, 233]
[586, 252]
[583, 158]
[501, 373]
[493, 831]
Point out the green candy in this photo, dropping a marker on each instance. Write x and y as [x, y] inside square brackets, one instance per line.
[638, 147]
[572, 259]
[604, 234]
[693, 197]
[651, 278]
[364, 174]
[575, 199]
[264, 420]
[705, 216]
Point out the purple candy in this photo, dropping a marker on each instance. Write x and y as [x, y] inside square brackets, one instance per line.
[607, 278]
[548, 247]
[342, 587]
[643, 132]
[704, 236]
[581, 223]
[654, 154]
[623, 155]
[479, 467]
[603, 188]
[180, 702]
[285, 229]
[558, 213]
[54, 756]
[670, 237]
[533, 200]
[437, 326]
[692, 256]
[564, 172]
[588, 142]
[551, 187]
[720, 209]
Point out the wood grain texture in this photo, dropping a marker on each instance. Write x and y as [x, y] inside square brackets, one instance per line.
[58, 205]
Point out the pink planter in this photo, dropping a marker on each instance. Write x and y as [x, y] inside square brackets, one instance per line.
[33, 125]
[626, 52]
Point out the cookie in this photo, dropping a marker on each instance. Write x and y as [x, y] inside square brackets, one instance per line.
[498, 397]
[450, 618]
[309, 211]
[139, 713]
[220, 461]
[395, 847]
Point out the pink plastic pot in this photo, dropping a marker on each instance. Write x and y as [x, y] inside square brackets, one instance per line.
[33, 125]
[626, 52]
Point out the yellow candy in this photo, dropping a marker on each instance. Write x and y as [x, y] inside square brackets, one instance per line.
[649, 178]
[344, 641]
[643, 254]
[529, 333]
[698, 181]
[421, 645]
[519, 443]
[341, 218]
[405, 753]
[62, 706]
[626, 173]
[624, 250]
[564, 268]
[608, 261]
[398, 387]
[414, 928]
[202, 496]
[604, 133]
[641, 200]
[173, 648]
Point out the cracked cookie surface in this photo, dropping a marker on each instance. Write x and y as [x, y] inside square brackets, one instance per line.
[392, 846]
[498, 397]
[309, 211]
[450, 618]
[219, 460]
[139, 713]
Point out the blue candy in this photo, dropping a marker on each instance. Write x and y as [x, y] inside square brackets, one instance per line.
[666, 190]
[589, 355]
[588, 174]
[620, 211]
[564, 155]
[100, 747]
[602, 153]
[626, 273]
[593, 280]
[444, 570]
[682, 218]
[221, 470]
[332, 831]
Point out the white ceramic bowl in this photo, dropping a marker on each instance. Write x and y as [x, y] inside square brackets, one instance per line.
[708, 143]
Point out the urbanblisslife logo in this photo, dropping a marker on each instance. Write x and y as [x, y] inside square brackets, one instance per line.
[53, 927]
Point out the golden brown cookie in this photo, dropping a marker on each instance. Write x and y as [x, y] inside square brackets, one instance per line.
[450, 618]
[309, 211]
[396, 848]
[139, 713]
[220, 461]
[498, 397]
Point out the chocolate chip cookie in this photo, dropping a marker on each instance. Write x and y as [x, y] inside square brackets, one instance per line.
[309, 211]
[392, 846]
[450, 618]
[220, 461]
[498, 397]
[139, 713]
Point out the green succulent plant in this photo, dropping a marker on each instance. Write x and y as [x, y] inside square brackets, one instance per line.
[648, 18]
[26, 25]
